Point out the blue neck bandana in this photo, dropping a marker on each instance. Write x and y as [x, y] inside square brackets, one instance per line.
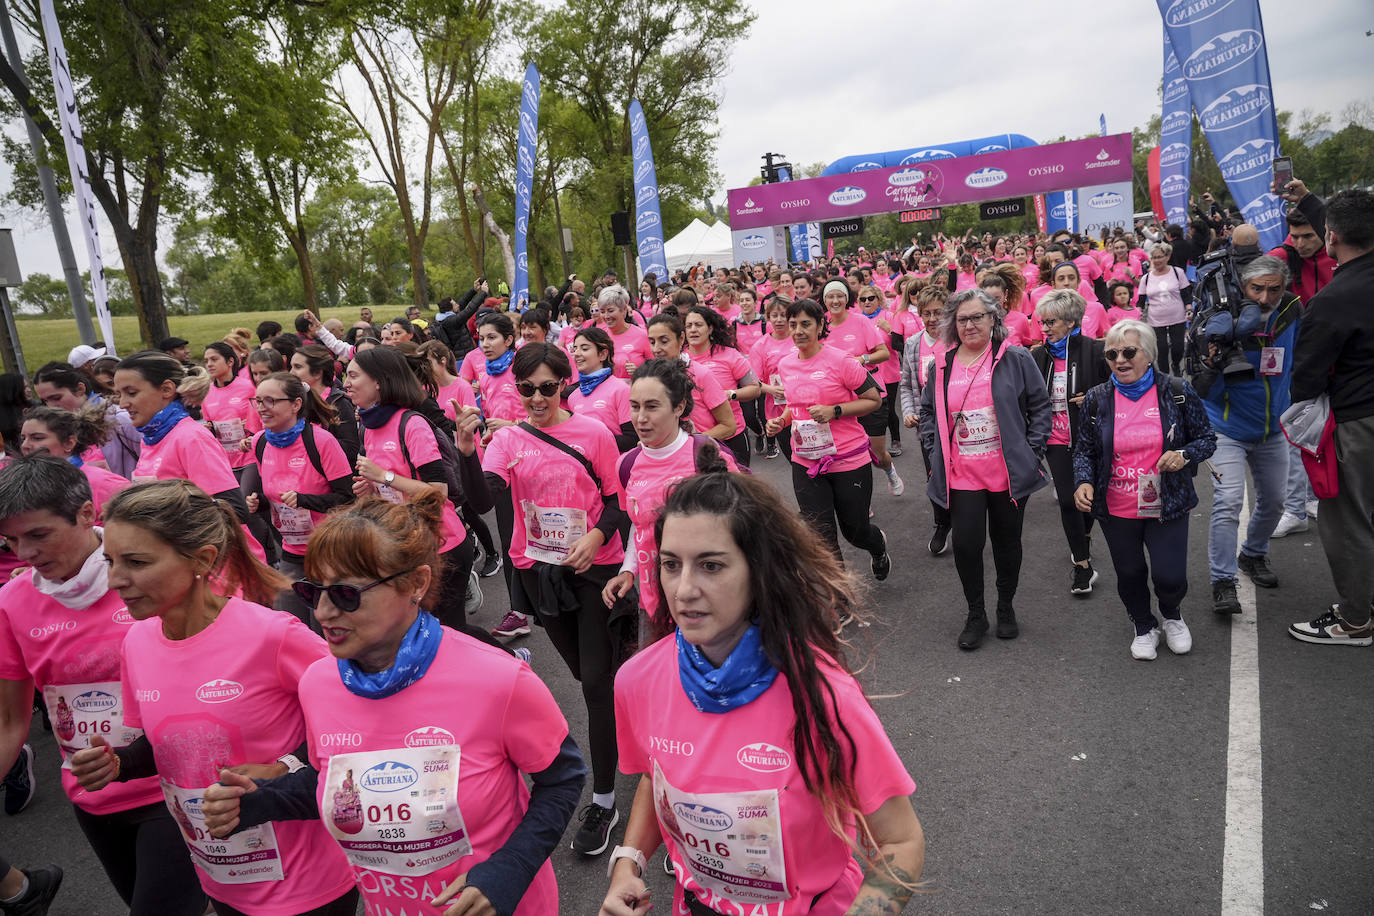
[1136, 390]
[413, 658]
[376, 416]
[501, 363]
[162, 422]
[743, 677]
[1060, 347]
[589, 381]
[286, 437]
[76, 460]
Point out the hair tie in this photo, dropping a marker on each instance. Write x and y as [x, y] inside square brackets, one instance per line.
[839, 285]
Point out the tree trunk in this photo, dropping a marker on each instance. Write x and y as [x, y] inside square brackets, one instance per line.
[501, 238]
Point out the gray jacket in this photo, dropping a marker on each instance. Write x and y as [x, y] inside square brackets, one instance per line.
[910, 387]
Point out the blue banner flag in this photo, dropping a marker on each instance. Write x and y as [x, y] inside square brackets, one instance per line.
[648, 222]
[524, 182]
[1175, 139]
[1102, 123]
[1222, 55]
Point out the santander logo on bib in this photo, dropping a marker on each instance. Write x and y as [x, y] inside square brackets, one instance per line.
[763, 758]
[219, 691]
[389, 776]
[429, 736]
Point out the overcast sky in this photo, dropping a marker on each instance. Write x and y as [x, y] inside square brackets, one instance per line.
[903, 75]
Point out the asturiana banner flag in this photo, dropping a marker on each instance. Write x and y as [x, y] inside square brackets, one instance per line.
[524, 182]
[648, 221]
[1175, 139]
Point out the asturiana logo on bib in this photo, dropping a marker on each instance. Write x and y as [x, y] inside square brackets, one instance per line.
[429, 736]
[753, 241]
[1191, 12]
[192, 808]
[219, 691]
[986, 178]
[1235, 107]
[847, 195]
[703, 817]
[763, 758]
[389, 776]
[1105, 200]
[94, 701]
[1223, 54]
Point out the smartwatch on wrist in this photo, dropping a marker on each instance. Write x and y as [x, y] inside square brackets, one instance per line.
[291, 762]
[627, 852]
[837, 411]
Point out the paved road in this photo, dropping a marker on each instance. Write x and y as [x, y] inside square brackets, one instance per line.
[1054, 773]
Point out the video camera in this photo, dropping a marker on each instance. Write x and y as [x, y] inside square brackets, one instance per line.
[1222, 317]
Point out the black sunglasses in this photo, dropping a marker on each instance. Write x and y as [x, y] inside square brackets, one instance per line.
[1127, 352]
[547, 389]
[344, 597]
[868, 298]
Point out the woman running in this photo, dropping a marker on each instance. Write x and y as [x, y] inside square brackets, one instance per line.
[315, 366]
[228, 406]
[765, 356]
[598, 393]
[709, 346]
[59, 385]
[711, 413]
[67, 435]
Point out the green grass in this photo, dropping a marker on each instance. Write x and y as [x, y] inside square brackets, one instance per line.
[45, 340]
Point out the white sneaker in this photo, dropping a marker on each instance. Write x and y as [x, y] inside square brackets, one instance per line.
[1177, 637]
[1312, 506]
[1143, 647]
[894, 482]
[1288, 524]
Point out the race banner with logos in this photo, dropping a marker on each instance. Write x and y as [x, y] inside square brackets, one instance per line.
[648, 222]
[1222, 53]
[797, 232]
[1175, 139]
[76, 160]
[524, 182]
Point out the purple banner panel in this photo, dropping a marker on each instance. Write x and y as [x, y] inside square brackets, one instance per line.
[940, 182]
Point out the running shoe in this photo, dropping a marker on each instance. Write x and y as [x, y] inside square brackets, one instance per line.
[1258, 569]
[525, 655]
[43, 885]
[1224, 597]
[882, 565]
[1144, 646]
[490, 566]
[1084, 578]
[472, 600]
[1177, 637]
[513, 624]
[1330, 629]
[19, 787]
[773, 451]
[1289, 524]
[594, 835]
[1312, 506]
[894, 482]
[939, 541]
[895, 450]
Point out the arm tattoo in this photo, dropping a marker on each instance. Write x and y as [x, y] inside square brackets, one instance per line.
[885, 891]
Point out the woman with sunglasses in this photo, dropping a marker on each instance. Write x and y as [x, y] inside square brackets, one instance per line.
[918, 365]
[710, 414]
[302, 471]
[985, 417]
[597, 393]
[558, 472]
[213, 682]
[826, 391]
[709, 346]
[861, 339]
[401, 460]
[1071, 363]
[896, 325]
[785, 740]
[1140, 439]
[767, 353]
[384, 706]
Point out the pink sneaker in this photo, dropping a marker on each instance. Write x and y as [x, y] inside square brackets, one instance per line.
[513, 624]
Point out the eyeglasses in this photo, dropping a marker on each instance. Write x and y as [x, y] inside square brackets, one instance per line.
[1046, 322]
[547, 389]
[966, 320]
[267, 403]
[1125, 353]
[344, 597]
[868, 298]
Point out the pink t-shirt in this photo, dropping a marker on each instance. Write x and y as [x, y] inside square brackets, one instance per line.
[1088, 267]
[830, 377]
[472, 365]
[609, 403]
[1137, 444]
[104, 484]
[555, 500]
[1094, 322]
[727, 366]
[974, 451]
[224, 697]
[747, 333]
[500, 400]
[963, 281]
[1059, 403]
[857, 335]
[631, 345]
[73, 658]
[706, 397]
[729, 314]
[383, 446]
[1115, 314]
[229, 411]
[1123, 271]
[888, 372]
[457, 390]
[507, 723]
[766, 355]
[738, 765]
[1018, 329]
[289, 470]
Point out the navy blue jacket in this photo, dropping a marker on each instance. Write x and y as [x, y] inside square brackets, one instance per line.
[1249, 410]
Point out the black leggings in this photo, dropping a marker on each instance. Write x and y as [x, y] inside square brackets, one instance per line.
[505, 527]
[1167, 542]
[1170, 338]
[146, 860]
[346, 905]
[259, 523]
[479, 529]
[1077, 525]
[894, 414]
[583, 640]
[753, 415]
[454, 569]
[976, 514]
[841, 497]
[738, 444]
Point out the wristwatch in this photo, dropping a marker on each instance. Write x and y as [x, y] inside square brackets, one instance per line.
[389, 478]
[864, 359]
[627, 852]
[291, 762]
[837, 411]
[734, 394]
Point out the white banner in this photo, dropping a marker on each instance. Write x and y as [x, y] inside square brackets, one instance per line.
[76, 158]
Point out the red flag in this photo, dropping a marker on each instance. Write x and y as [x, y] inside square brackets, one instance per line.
[1156, 200]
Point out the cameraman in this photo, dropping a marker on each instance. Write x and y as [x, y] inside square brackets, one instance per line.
[1245, 413]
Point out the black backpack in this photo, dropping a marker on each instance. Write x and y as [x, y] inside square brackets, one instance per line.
[448, 455]
[312, 451]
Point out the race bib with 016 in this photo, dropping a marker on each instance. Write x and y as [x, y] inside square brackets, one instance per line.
[79, 712]
[976, 433]
[550, 531]
[396, 811]
[230, 433]
[813, 440]
[247, 857]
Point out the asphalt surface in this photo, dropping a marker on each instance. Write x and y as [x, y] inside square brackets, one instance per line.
[1054, 773]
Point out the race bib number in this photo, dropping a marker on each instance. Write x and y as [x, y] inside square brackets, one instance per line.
[731, 842]
[229, 433]
[295, 525]
[1059, 393]
[778, 399]
[79, 712]
[1271, 361]
[390, 494]
[813, 440]
[551, 531]
[247, 857]
[975, 432]
[396, 811]
[1147, 496]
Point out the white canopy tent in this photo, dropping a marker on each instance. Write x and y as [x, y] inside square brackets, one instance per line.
[698, 242]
